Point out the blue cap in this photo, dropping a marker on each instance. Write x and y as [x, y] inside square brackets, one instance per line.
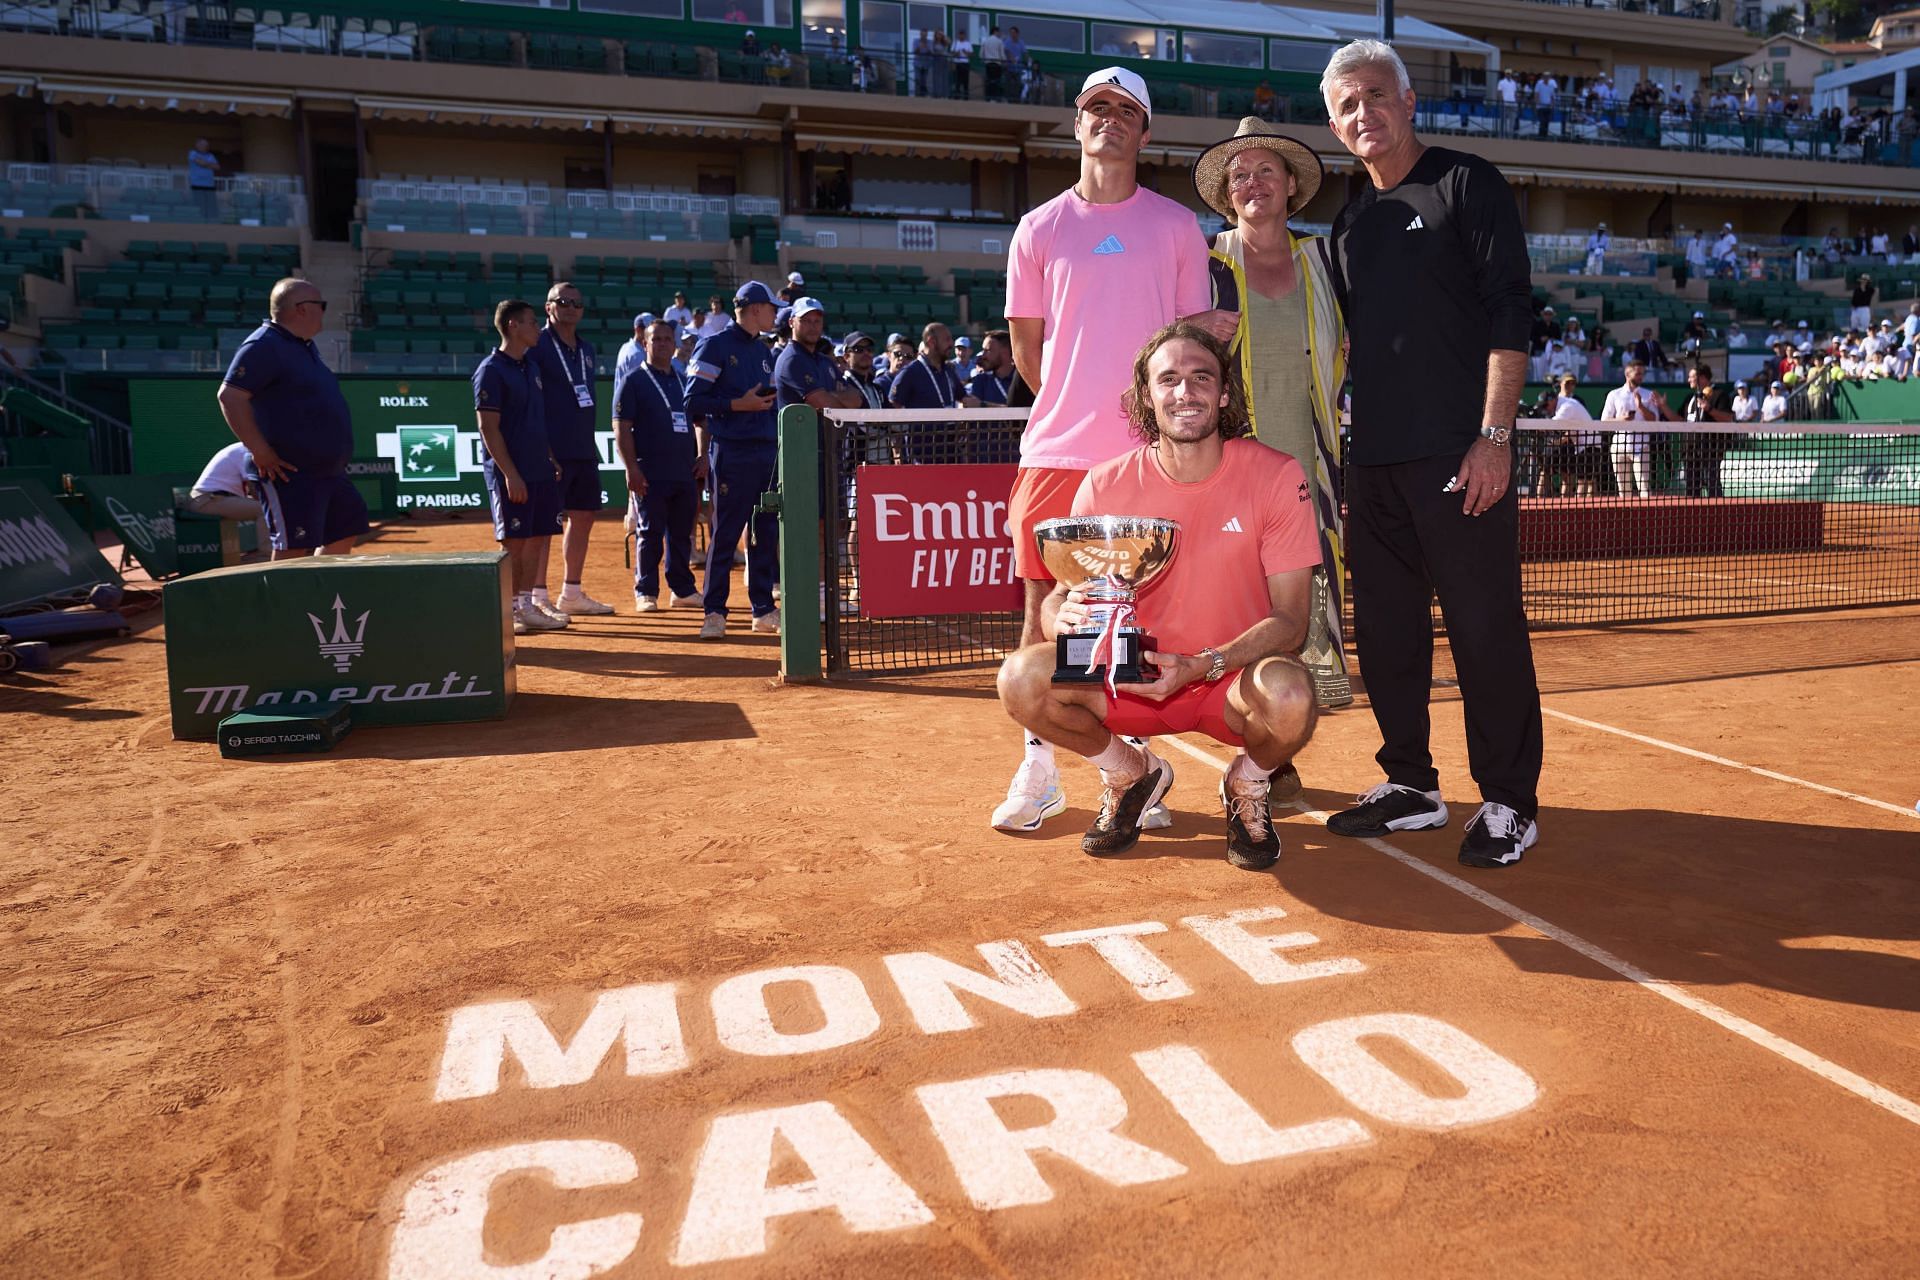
[752, 292]
[644, 318]
[781, 317]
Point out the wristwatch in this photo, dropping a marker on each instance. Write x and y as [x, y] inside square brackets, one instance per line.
[1219, 667]
[1499, 435]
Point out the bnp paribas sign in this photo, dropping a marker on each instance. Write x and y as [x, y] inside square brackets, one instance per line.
[429, 431]
[397, 639]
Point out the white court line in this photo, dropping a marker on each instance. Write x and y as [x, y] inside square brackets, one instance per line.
[1731, 764]
[1830, 1071]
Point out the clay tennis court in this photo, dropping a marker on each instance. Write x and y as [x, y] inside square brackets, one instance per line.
[403, 1010]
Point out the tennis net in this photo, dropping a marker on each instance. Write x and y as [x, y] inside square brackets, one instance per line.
[1689, 522]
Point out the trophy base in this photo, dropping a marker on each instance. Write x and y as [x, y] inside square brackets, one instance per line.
[1073, 652]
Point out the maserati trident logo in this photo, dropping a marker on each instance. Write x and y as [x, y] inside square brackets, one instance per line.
[342, 646]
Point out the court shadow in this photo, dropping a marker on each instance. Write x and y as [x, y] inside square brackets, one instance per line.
[539, 723]
[647, 663]
[1817, 911]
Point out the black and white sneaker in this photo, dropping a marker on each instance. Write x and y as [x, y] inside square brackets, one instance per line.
[1497, 836]
[1117, 826]
[1253, 843]
[1389, 807]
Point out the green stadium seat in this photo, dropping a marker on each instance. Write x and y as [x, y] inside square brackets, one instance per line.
[425, 346]
[210, 251]
[103, 341]
[507, 262]
[173, 316]
[390, 346]
[141, 342]
[142, 250]
[153, 292]
[176, 251]
[63, 339]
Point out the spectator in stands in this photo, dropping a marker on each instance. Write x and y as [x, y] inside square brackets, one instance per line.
[1863, 294]
[1910, 243]
[1726, 251]
[1833, 248]
[993, 54]
[1695, 256]
[1694, 335]
[1776, 335]
[633, 352]
[1508, 91]
[1266, 103]
[730, 384]
[1910, 327]
[1877, 243]
[202, 167]
[521, 475]
[993, 379]
[779, 65]
[282, 402]
[931, 381]
[1545, 329]
[1575, 336]
[688, 337]
[921, 58]
[1774, 407]
[1632, 451]
[1092, 274]
[1736, 337]
[795, 288]
[1746, 405]
[665, 468]
[900, 354]
[1597, 245]
[565, 362]
[1016, 47]
[749, 42]
[223, 489]
[1702, 452]
[714, 321]
[679, 315]
[1648, 351]
[1545, 87]
[962, 55]
[1900, 362]
[860, 372]
[1802, 337]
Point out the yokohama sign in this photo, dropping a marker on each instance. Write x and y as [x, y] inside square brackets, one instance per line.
[934, 539]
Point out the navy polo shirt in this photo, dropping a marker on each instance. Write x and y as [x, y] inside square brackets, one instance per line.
[799, 371]
[725, 366]
[919, 386]
[512, 388]
[562, 370]
[296, 400]
[655, 409]
[988, 389]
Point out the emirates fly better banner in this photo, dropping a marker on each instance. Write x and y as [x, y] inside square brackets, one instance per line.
[934, 539]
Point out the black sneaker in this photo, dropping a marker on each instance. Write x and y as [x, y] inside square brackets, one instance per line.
[1252, 842]
[1117, 826]
[1390, 807]
[1285, 786]
[1497, 836]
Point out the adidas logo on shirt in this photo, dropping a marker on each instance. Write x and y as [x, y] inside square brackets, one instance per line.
[1110, 245]
[1232, 526]
[1416, 224]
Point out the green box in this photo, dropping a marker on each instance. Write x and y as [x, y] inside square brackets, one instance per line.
[400, 639]
[204, 542]
[252, 733]
[42, 551]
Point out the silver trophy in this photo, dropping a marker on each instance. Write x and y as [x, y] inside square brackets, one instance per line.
[1110, 558]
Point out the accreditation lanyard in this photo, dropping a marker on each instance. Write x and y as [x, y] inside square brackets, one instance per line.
[677, 416]
[945, 385]
[582, 389]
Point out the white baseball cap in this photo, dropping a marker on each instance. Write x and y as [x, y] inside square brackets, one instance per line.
[1117, 80]
[806, 307]
[794, 277]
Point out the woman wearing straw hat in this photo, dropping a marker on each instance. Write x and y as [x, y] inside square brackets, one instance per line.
[1289, 343]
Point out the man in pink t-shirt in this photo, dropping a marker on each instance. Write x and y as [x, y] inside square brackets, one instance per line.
[1092, 274]
[1226, 617]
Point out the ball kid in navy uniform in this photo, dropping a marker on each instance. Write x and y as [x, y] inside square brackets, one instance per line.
[282, 402]
[522, 477]
[664, 465]
[566, 364]
[730, 384]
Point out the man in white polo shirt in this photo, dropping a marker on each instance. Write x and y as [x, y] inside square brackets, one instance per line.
[1091, 275]
[1632, 451]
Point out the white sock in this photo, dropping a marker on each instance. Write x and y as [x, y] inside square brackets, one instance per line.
[519, 599]
[1243, 767]
[571, 589]
[539, 593]
[1121, 759]
[1039, 749]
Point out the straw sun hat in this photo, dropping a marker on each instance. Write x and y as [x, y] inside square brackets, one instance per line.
[1210, 170]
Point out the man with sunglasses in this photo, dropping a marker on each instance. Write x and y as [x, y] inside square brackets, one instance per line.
[566, 364]
[282, 402]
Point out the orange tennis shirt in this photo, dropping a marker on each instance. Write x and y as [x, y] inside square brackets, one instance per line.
[1252, 518]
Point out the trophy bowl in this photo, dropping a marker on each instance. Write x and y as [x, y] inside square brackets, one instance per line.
[1109, 558]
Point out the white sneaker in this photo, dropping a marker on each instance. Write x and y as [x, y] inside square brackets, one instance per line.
[519, 625]
[533, 618]
[580, 603]
[1033, 796]
[767, 624]
[545, 609]
[687, 602]
[714, 627]
[644, 604]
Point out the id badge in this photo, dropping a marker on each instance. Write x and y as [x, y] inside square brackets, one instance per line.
[584, 394]
[680, 424]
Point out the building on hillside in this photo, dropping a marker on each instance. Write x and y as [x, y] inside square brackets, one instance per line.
[1786, 64]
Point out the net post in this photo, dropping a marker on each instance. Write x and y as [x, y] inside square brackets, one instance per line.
[799, 479]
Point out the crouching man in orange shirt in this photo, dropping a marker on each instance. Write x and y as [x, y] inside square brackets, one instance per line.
[1228, 615]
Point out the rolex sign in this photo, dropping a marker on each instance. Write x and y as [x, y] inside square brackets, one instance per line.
[396, 639]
